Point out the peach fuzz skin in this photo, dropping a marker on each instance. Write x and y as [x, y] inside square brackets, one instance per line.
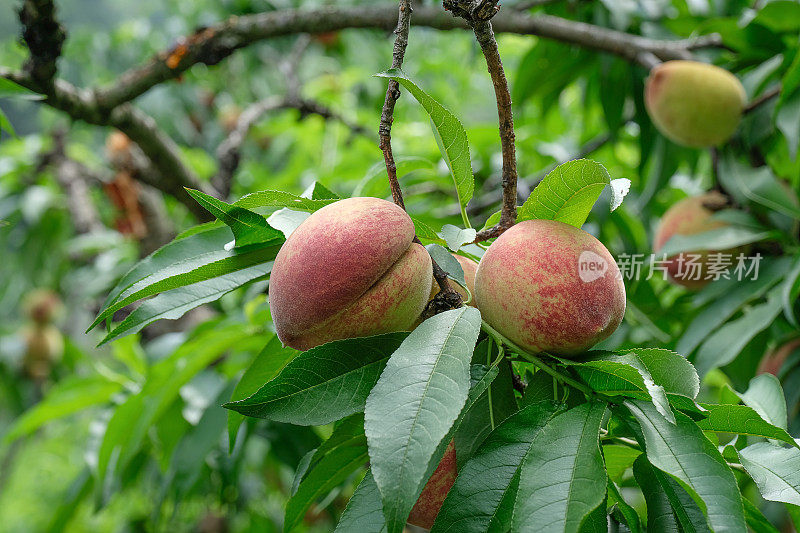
[528, 288]
[688, 217]
[349, 270]
[432, 497]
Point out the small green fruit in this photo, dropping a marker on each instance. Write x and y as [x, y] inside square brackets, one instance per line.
[693, 103]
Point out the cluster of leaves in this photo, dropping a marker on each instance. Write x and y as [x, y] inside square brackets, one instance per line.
[627, 423]
[554, 457]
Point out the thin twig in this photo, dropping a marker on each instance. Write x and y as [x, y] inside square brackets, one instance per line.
[478, 15]
[392, 94]
[765, 97]
[485, 37]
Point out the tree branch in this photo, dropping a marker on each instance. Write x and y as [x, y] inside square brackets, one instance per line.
[172, 176]
[213, 44]
[478, 15]
[392, 94]
[44, 37]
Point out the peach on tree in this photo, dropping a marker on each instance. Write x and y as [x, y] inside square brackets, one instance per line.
[550, 287]
[349, 270]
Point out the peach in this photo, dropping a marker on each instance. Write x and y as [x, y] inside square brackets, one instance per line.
[688, 217]
[432, 497]
[694, 104]
[550, 287]
[349, 270]
[470, 267]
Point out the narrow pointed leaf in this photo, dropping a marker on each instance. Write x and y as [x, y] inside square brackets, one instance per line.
[324, 384]
[414, 405]
[775, 469]
[683, 451]
[482, 498]
[568, 193]
[248, 227]
[563, 478]
[268, 364]
[450, 134]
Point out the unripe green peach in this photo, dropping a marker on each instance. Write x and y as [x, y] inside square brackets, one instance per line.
[694, 104]
[550, 287]
[469, 267]
[688, 217]
[432, 497]
[349, 270]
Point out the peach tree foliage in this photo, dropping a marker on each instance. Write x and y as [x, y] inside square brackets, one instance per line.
[551, 458]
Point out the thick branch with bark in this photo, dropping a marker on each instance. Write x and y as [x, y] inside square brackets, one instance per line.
[44, 37]
[214, 43]
[172, 176]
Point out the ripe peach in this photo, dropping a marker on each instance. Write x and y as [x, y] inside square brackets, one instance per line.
[693, 103]
[432, 497]
[349, 270]
[688, 217]
[549, 286]
[470, 267]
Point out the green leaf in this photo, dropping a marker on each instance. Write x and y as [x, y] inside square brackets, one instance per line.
[791, 292]
[483, 495]
[775, 469]
[490, 409]
[449, 132]
[447, 262]
[568, 193]
[743, 420]
[756, 519]
[456, 237]
[759, 185]
[765, 396]
[268, 364]
[683, 451]
[722, 308]
[9, 89]
[173, 304]
[619, 459]
[726, 238]
[363, 512]
[5, 125]
[563, 477]
[345, 452]
[669, 506]
[190, 271]
[424, 231]
[248, 227]
[206, 239]
[133, 419]
[324, 384]
[269, 198]
[787, 120]
[415, 403]
[72, 395]
[630, 515]
[724, 345]
[188, 458]
[653, 371]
